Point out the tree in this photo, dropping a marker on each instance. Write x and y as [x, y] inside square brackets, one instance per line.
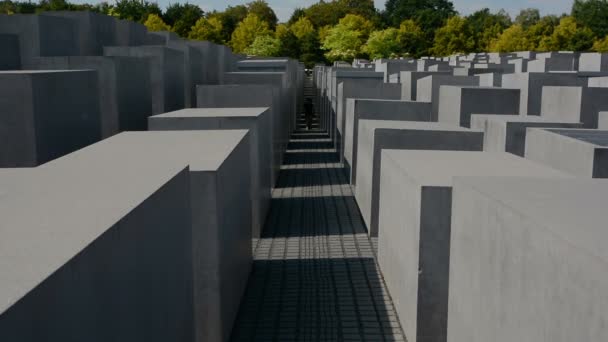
[155, 23]
[207, 29]
[310, 48]
[325, 13]
[264, 46]
[568, 35]
[182, 17]
[290, 44]
[592, 13]
[383, 44]
[302, 27]
[486, 26]
[246, 32]
[429, 14]
[230, 18]
[135, 10]
[454, 37]
[527, 17]
[297, 14]
[540, 32]
[411, 39]
[345, 40]
[512, 39]
[601, 45]
[264, 12]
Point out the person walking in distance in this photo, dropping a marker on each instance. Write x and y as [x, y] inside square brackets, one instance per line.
[308, 109]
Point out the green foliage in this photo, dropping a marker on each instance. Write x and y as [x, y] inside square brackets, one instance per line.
[568, 35]
[297, 14]
[264, 46]
[155, 23]
[345, 40]
[601, 45]
[383, 44]
[302, 27]
[486, 27]
[247, 31]
[527, 17]
[230, 18]
[515, 38]
[454, 37]
[261, 9]
[429, 14]
[290, 44]
[182, 17]
[592, 13]
[207, 29]
[411, 39]
[135, 10]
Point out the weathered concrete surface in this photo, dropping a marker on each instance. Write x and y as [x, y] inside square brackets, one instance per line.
[518, 269]
[124, 88]
[603, 121]
[130, 33]
[257, 121]
[376, 135]
[581, 152]
[507, 133]
[10, 57]
[193, 69]
[593, 61]
[40, 121]
[456, 103]
[41, 35]
[373, 109]
[247, 96]
[414, 227]
[428, 89]
[532, 83]
[409, 82]
[94, 30]
[166, 74]
[574, 104]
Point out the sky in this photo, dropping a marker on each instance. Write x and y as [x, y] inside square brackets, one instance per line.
[284, 8]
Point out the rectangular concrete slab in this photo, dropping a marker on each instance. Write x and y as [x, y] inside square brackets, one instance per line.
[581, 152]
[409, 82]
[257, 121]
[456, 103]
[528, 260]
[373, 109]
[428, 89]
[10, 57]
[414, 227]
[376, 135]
[574, 104]
[94, 30]
[507, 133]
[40, 121]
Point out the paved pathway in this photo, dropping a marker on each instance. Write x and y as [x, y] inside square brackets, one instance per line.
[314, 276]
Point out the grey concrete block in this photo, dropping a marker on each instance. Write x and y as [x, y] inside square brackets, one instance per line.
[247, 96]
[94, 30]
[554, 62]
[353, 89]
[581, 152]
[414, 227]
[97, 252]
[574, 104]
[428, 89]
[130, 33]
[409, 82]
[257, 121]
[456, 104]
[41, 35]
[376, 135]
[263, 65]
[527, 260]
[603, 120]
[220, 207]
[593, 61]
[492, 79]
[598, 82]
[507, 133]
[532, 83]
[10, 57]
[395, 66]
[125, 99]
[166, 74]
[193, 69]
[46, 114]
[373, 109]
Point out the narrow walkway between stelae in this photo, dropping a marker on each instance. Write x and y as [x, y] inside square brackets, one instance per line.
[314, 276]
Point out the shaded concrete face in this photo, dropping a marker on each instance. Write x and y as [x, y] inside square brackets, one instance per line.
[94, 30]
[428, 89]
[414, 227]
[456, 104]
[580, 152]
[257, 121]
[359, 109]
[10, 58]
[375, 135]
[124, 88]
[41, 36]
[41, 121]
[129, 33]
[193, 69]
[409, 82]
[507, 133]
[578, 104]
[499, 224]
[593, 61]
[166, 68]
